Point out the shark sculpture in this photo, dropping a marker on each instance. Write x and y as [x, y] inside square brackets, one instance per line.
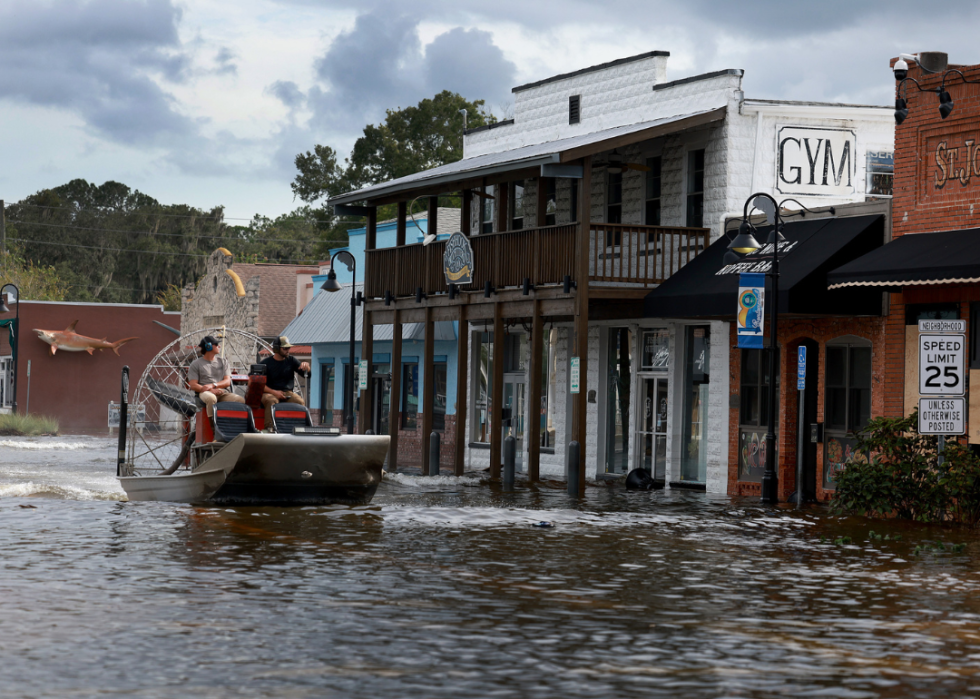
[70, 341]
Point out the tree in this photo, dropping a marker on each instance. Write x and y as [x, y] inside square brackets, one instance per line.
[409, 140]
[35, 282]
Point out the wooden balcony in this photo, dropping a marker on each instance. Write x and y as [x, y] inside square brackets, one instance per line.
[619, 255]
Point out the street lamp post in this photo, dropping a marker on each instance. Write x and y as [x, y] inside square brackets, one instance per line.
[16, 346]
[745, 242]
[355, 300]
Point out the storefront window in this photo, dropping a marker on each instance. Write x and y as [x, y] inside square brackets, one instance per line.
[847, 402]
[326, 394]
[549, 386]
[754, 413]
[439, 396]
[410, 395]
[483, 348]
[656, 349]
[619, 372]
[694, 445]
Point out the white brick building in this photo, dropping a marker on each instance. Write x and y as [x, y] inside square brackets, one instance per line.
[664, 164]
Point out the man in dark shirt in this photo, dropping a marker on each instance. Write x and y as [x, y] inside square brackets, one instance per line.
[280, 370]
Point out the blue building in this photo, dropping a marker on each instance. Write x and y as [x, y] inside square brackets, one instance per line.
[324, 324]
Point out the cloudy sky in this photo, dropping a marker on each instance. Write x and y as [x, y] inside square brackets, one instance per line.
[207, 102]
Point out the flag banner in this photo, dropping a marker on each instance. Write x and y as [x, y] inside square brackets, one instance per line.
[751, 310]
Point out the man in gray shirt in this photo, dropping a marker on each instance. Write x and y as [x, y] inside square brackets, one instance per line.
[210, 377]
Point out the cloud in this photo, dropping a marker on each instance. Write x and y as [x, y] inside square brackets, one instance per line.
[225, 60]
[97, 59]
[468, 62]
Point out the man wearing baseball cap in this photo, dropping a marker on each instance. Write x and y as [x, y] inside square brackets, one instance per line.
[209, 376]
[280, 370]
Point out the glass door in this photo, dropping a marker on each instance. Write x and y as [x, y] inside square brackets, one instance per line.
[514, 408]
[380, 398]
[653, 426]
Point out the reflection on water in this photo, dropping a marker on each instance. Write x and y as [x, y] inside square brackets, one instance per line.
[444, 587]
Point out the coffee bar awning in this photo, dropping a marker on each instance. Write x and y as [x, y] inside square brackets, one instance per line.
[952, 257]
[707, 288]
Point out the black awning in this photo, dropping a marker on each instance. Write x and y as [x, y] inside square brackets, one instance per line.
[952, 257]
[706, 287]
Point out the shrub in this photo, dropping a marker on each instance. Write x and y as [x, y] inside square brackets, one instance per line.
[897, 473]
[27, 425]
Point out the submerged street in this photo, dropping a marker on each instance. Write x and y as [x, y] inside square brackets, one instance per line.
[449, 587]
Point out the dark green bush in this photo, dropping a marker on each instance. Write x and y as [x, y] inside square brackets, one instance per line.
[897, 474]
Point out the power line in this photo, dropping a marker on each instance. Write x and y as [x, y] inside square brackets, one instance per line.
[137, 251]
[65, 208]
[177, 235]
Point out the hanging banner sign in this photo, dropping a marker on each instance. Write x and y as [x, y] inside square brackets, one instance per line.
[457, 260]
[751, 310]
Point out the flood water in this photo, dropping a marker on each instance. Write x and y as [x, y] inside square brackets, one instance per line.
[446, 587]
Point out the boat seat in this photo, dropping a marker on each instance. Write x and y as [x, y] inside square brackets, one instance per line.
[231, 420]
[286, 416]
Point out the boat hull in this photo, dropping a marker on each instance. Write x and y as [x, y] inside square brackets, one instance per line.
[263, 469]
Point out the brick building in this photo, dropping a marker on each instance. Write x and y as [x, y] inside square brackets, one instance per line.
[607, 182]
[932, 267]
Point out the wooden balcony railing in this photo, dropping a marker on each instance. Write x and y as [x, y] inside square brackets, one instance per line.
[618, 254]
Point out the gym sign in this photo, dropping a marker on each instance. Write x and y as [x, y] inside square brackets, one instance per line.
[815, 162]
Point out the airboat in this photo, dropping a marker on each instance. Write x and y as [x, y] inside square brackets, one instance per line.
[171, 450]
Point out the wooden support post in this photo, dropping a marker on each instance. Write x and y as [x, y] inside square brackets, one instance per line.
[462, 374]
[581, 341]
[367, 331]
[465, 214]
[542, 200]
[502, 191]
[497, 392]
[428, 385]
[367, 355]
[400, 226]
[432, 225]
[534, 396]
[395, 402]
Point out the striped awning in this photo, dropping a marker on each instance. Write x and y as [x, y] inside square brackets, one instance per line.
[950, 257]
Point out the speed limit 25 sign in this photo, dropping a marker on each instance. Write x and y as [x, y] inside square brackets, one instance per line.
[942, 359]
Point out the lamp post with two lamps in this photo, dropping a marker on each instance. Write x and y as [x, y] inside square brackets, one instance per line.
[744, 243]
[16, 345]
[331, 284]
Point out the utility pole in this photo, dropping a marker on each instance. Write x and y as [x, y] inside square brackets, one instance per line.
[3, 229]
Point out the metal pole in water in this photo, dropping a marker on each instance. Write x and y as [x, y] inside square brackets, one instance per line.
[434, 454]
[573, 467]
[123, 420]
[510, 461]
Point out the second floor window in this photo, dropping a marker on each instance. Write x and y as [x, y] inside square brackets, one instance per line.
[550, 200]
[516, 205]
[695, 188]
[614, 197]
[653, 192]
[487, 210]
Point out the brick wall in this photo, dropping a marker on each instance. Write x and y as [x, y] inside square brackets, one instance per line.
[791, 333]
[926, 198]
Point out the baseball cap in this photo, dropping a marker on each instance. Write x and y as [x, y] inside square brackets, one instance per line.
[283, 341]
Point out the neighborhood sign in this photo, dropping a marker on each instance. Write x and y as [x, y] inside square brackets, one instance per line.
[942, 326]
[941, 365]
[457, 260]
[815, 161]
[943, 416]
